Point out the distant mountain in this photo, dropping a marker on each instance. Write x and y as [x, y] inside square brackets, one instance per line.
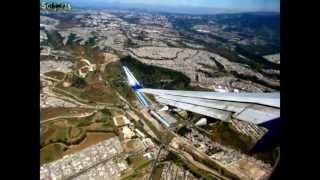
[154, 8]
[263, 21]
[262, 13]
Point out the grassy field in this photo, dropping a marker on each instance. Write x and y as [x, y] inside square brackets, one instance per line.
[55, 74]
[66, 135]
[157, 172]
[96, 92]
[45, 135]
[137, 175]
[98, 121]
[100, 127]
[115, 77]
[138, 161]
[90, 89]
[91, 139]
[75, 133]
[68, 92]
[153, 128]
[51, 152]
[100, 93]
[132, 143]
[225, 135]
[93, 54]
[60, 135]
[51, 112]
[133, 146]
[138, 168]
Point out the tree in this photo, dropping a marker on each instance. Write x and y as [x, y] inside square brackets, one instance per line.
[79, 82]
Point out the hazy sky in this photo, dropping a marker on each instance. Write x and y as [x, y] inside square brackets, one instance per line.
[269, 5]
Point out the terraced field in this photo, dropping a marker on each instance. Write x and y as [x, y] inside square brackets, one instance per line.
[67, 135]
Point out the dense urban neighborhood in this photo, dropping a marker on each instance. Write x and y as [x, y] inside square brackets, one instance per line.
[92, 126]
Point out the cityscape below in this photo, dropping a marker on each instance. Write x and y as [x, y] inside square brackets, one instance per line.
[145, 93]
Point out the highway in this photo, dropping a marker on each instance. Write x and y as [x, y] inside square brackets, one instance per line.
[155, 162]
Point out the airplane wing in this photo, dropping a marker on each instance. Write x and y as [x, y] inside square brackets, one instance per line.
[257, 108]
[253, 107]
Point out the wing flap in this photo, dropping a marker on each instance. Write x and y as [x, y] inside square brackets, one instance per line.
[221, 105]
[222, 110]
[210, 112]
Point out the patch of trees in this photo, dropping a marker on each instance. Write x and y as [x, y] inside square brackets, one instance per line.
[183, 131]
[255, 59]
[84, 122]
[106, 112]
[151, 76]
[71, 39]
[91, 41]
[78, 82]
[54, 39]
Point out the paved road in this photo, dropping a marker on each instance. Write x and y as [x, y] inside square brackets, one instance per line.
[155, 162]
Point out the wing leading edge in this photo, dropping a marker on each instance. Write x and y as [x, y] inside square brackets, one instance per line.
[268, 99]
